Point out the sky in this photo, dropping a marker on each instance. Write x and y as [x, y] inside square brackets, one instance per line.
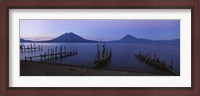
[104, 30]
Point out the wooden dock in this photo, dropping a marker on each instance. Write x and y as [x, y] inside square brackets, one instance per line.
[53, 54]
[46, 57]
[156, 62]
[30, 48]
[103, 58]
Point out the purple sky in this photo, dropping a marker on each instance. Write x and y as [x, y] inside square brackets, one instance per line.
[100, 29]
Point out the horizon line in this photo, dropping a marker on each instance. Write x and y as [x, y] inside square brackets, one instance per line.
[91, 39]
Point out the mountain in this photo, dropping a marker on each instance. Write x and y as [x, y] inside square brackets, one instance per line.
[131, 39]
[71, 37]
[23, 40]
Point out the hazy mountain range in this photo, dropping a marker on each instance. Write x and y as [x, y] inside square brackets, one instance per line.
[74, 38]
[131, 39]
[71, 37]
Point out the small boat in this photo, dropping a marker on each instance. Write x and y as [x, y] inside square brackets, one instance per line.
[104, 58]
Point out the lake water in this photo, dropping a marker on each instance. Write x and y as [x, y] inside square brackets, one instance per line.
[122, 55]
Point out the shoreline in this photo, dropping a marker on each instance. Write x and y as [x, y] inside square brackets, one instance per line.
[53, 69]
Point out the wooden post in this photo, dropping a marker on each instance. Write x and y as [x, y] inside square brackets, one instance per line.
[30, 58]
[56, 52]
[61, 51]
[45, 56]
[103, 52]
[25, 58]
[65, 50]
[34, 47]
[39, 47]
[98, 53]
[53, 53]
[28, 47]
[24, 48]
[40, 57]
[48, 54]
[31, 47]
[107, 52]
[21, 48]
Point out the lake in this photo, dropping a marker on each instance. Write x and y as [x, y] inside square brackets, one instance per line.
[122, 55]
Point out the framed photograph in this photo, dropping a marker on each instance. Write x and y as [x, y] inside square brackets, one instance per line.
[140, 48]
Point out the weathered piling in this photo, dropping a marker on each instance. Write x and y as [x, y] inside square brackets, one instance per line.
[40, 57]
[98, 52]
[34, 47]
[61, 51]
[65, 50]
[103, 52]
[106, 52]
[56, 52]
[156, 62]
[50, 55]
[101, 59]
[30, 58]
[53, 54]
[39, 47]
[30, 48]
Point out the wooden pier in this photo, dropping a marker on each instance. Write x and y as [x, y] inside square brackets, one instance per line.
[103, 58]
[30, 48]
[53, 54]
[156, 62]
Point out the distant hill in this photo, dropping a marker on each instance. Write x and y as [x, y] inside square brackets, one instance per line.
[23, 40]
[131, 39]
[72, 38]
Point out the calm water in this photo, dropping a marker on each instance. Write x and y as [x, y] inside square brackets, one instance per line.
[122, 55]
